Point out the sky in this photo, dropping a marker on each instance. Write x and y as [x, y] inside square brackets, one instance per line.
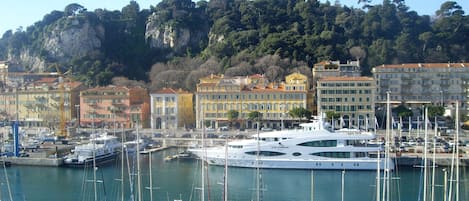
[23, 13]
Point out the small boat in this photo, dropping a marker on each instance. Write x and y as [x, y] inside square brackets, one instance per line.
[100, 149]
[180, 155]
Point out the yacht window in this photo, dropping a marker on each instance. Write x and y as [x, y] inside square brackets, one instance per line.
[265, 153]
[296, 154]
[236, 146]
[333, 154]
[360, 154]
[320, 143]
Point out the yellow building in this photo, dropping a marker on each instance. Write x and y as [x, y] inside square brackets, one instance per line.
[216, 95]
[40, 103]
[172, 109]
[351, 97]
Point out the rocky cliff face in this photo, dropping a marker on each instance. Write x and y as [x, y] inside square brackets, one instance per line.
[177, 38]
[75, 41]
[61, 44]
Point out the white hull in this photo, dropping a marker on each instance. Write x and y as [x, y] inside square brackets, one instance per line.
[312, 147]
[289, 163]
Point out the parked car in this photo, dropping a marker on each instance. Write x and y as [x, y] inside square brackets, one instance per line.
[212, 135]
[186, 135]
[157, 135]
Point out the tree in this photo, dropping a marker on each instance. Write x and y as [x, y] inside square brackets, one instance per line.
[434, 111]
[73, 9]
[300, 113]
[332, 114]
[403, 111]
[255, 116]
[232, 115]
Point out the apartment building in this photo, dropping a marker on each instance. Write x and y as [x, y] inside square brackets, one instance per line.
[417, 84]
[216, 95]
[351, 97]
[44, 102]
[335, 69]
[114, 107]
[172, 109]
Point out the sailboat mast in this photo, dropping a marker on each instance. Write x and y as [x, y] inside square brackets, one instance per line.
[433, 160]
[139, 183]
[202, 187]
[122, 164]
[151, 177]
[225, 190]
[386, 152]
[425, 148]
[94, 164]
[257, 165]
[456, 144]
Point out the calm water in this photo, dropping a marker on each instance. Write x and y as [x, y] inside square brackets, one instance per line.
[181, 179]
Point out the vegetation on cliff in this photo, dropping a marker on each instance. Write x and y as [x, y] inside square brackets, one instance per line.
[239, 37]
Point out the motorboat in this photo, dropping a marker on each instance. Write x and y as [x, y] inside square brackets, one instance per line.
[131, 146]
[313, 146]
[101, 148]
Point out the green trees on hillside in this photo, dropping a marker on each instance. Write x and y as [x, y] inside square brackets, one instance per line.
[239, 33]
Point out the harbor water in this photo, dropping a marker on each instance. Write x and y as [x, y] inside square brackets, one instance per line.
[181, 179]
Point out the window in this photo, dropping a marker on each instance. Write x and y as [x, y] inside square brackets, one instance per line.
[333, 154]
[265, 153]
[320, 143]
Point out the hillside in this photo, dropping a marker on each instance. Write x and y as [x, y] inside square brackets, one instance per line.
[177, 41]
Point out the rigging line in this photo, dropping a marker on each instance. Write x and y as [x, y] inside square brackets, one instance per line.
[7, 181]
[103, 183]
[193, 183]
[83, 186]
[208, 182]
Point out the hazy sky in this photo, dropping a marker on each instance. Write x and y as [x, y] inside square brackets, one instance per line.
[16, 13]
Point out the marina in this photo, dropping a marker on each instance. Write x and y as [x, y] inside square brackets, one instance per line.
[181, 178]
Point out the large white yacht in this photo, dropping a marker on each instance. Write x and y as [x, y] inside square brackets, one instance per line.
[101, 148]
[314, 146]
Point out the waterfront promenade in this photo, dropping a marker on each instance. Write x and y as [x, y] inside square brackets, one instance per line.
[50, 154]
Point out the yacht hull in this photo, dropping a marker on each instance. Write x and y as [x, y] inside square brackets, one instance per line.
[318, 163]
[100, 160]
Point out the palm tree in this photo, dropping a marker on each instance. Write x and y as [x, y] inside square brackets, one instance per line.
[232, 115]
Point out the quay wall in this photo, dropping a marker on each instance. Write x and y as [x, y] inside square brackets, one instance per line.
[53, 162]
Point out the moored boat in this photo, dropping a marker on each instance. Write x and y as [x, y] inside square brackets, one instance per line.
[314, 146]
[100, 149]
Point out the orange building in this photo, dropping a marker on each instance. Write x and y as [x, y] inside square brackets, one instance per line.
[114, 106]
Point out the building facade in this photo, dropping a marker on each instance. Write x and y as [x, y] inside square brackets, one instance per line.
[351, 97]
[216, 95]
[426, 83]
[172, 109]
[114, 107]
[43, 103]
[335, 69]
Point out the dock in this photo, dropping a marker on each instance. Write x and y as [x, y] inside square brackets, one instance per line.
[147, 151]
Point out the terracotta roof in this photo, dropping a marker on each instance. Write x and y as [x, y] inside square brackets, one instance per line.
[424, 65]
[345, 78]
[47, 80]
[110, 87]
[207, 84]
[170, 91]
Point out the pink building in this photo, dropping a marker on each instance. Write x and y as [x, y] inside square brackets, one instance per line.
[114, 105]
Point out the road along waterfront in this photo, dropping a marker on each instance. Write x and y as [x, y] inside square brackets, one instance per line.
[180, 179]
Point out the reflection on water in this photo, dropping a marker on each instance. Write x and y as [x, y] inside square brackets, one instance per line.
[182, 179]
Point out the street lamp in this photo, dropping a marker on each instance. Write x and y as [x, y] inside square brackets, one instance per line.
[77, 109]
[441, 96]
